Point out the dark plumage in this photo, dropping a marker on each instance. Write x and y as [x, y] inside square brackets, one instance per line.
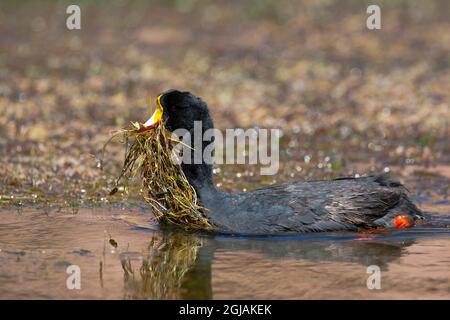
[327, 205]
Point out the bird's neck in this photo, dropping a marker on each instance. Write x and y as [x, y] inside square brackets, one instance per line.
[199, 176]
[198, 170]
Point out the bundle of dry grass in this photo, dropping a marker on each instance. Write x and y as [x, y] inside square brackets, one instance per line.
[165, 187]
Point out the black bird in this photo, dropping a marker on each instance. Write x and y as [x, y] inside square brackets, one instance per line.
[351, 204]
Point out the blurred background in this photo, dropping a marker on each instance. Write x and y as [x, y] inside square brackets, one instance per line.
[349, 100]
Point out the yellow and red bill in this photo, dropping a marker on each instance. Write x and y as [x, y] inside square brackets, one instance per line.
[156, 117]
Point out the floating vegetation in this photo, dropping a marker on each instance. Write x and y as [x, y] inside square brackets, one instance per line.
[165, 187]
[113, 243]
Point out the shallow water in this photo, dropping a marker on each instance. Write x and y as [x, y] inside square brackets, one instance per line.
[36, 248]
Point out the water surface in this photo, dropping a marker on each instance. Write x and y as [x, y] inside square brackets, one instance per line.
[36, 247]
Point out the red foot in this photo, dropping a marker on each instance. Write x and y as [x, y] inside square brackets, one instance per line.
[369, 234]
[403, 221]
[373, 230]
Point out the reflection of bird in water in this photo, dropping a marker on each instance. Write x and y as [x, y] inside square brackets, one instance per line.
[362, 252]
[178, 264]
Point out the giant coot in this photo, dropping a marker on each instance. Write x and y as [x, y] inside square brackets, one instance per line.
[350, 204]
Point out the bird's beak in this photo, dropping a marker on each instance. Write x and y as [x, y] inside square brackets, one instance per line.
[156, 117]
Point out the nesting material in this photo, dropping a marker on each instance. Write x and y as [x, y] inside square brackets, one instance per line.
[165, 187]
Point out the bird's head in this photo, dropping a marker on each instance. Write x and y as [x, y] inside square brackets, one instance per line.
[179, 110]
